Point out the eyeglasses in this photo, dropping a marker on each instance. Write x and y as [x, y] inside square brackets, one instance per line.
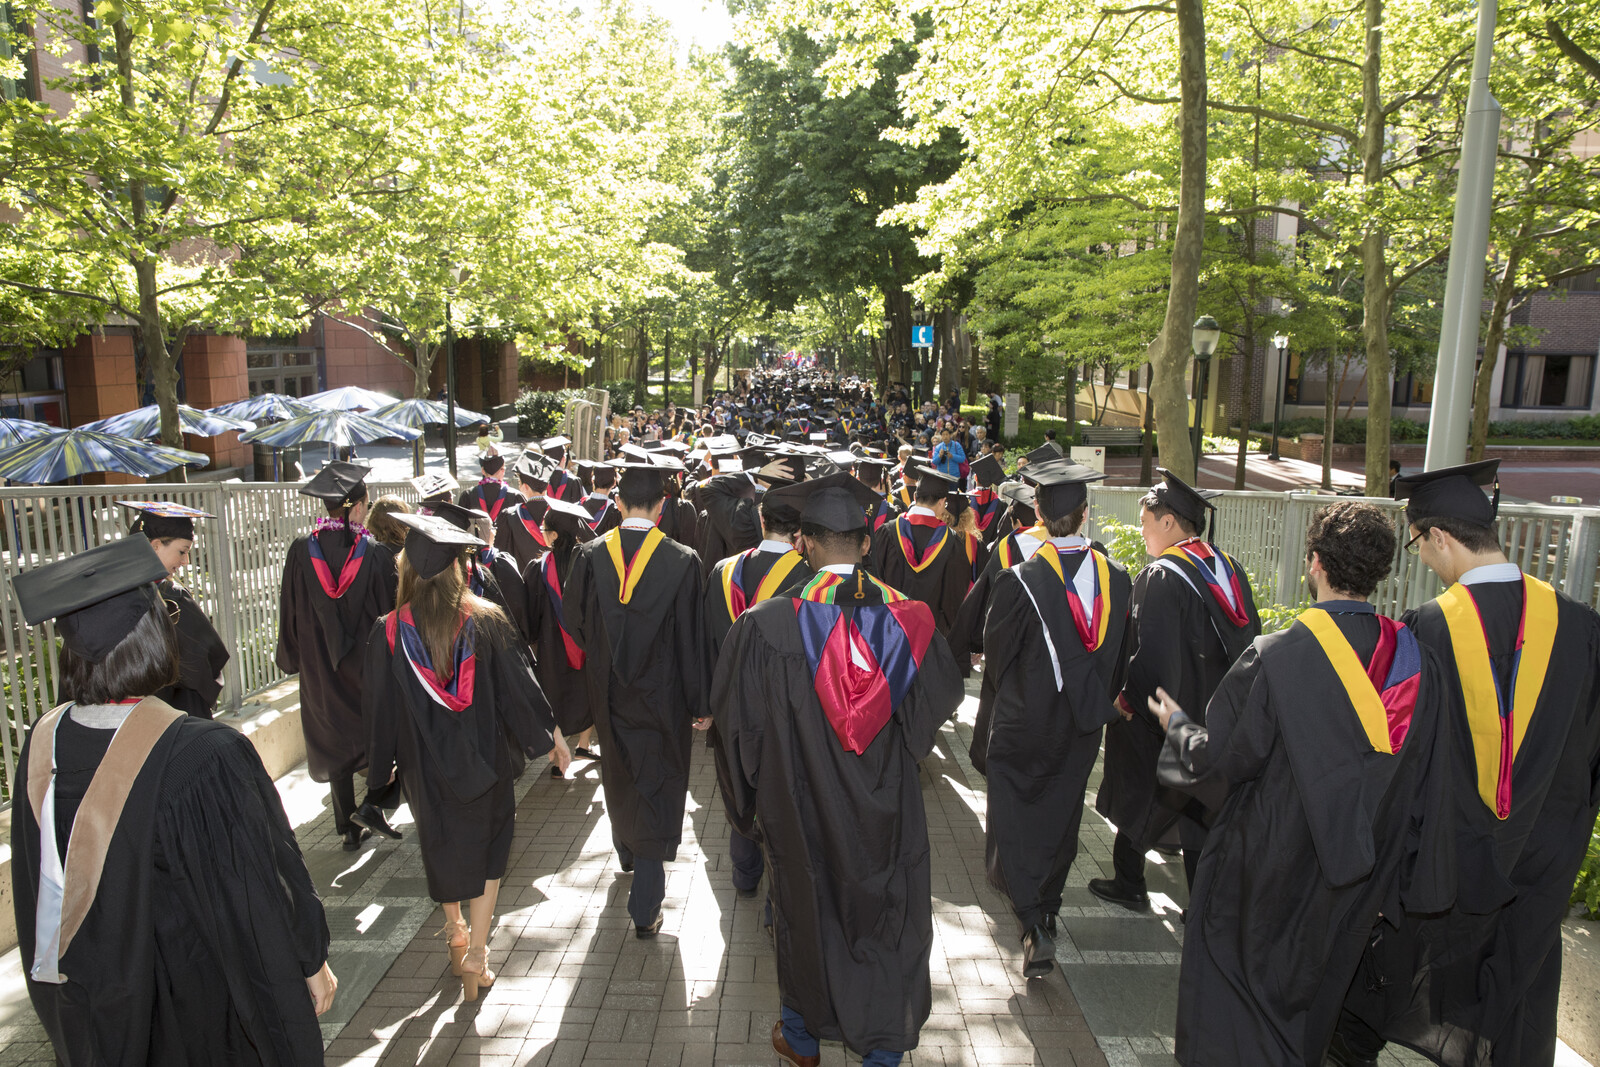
[1414, 546]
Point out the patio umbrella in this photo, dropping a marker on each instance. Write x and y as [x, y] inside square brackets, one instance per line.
[64, 454]
[146, 422]
[267, 407]
[339, 428]
[421, 413]
[348, 398]
[16, 431]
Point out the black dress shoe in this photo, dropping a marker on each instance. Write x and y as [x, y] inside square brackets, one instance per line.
[583, 753]
[745, 894]
[1340, 1054]
[354, 836]
[652, 930]
[627, 866]
[555, 772]
[1038, 953]
[1050, 926]
[1112, 891]
[371, 817]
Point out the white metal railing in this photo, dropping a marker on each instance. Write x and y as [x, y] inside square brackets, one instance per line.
[585, 422]
[237, 564]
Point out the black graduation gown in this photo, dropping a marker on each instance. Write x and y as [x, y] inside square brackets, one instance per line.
[645, 681]
[501, 583]
[966, 637]
[942, 584]
[563, 686]
[678, 521]
[201, 656]
[1481, 984]
[480, 496]
[511, 533]
[1177, 644]
[1041, 742]
[564, 485]
[198, 944]
[458, 769]
[732, 517]
[1316, 834]
[845, 836]
[317, 636]
[718, 620]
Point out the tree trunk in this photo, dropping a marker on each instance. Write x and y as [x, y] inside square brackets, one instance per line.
[1244, 391]
[1146, 457]
[1072, 398]
[1172, 409]
[897, 307]
[1375, 280]
[666, 370]
[1330, 408]
[1505, 291]
[641, 367]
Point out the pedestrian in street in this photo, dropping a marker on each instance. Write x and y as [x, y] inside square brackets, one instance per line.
[449, 691]
[1194, 614]
[164, 912]
[201, 652]
[1054, 642]
[1321, 755]
[633, 605]
[558, 658]
[337, 581]
[1521, 687]
[823, 755]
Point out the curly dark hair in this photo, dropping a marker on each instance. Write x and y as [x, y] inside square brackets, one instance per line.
[1356, 544]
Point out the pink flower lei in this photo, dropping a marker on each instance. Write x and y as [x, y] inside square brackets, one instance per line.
[330, 522]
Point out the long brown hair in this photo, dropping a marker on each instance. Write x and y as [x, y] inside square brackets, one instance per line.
[438, 606]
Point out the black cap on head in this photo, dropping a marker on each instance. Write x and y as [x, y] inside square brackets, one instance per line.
[433, 543]
[949, 481]
[1062, 488]
[988, 471]
[435, 485]
[337, 483]
[838, 502]
[569, 519]
[96, 597]
[492, 464]
[640, 480]
[604, 476]
[456, 515]
[162, 520]
[555, 447]
[530, 471]
[1182, 499]
[1452, 493]
[784, 469]
[1045, 453]
[956, 502]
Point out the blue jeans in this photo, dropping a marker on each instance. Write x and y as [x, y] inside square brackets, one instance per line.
[800, 1039]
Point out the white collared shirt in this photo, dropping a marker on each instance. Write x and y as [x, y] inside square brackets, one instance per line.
[769, 545]
[840, 568]
[1492, 572]
[637, 524]
[1083, 579]
[918, 509]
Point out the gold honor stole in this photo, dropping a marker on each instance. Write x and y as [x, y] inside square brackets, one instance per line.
[628, 574]
[1091, 624]
[1358, 685]
[1498, 729]
[1010, 558]
[771, 583]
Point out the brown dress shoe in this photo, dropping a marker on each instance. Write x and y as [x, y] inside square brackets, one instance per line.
[789, 1055]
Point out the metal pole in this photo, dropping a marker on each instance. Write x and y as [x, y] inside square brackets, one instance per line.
[1199, 412]
[1469, 245]
[449, 390]
[1283, 387]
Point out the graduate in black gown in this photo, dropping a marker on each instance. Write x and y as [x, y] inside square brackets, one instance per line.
[826, 703]
[491, 495]
[336, 582]
[494, 575]
[678, 520]
[1325, 755]
[519, 532]
[165, 915]
[1194, 614]
[604, 516]
[632, 603]
[558, 658]
[731, 522]
[1521, 669]
[738, 583]
[563, 484]
[450, 693]
[988, 506]
[1054, 652]
[918, 554]
[201, 653]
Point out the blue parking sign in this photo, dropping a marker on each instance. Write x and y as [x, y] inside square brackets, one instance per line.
[922, 337]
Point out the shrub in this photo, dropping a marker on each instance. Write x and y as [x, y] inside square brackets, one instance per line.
[539, 413]
[624, 391]
[1587, 890]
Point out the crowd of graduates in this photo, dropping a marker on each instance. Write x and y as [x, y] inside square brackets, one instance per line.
[1379, 819]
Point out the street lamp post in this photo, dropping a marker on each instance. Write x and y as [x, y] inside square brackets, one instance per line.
[456, 274]
[1281, 343]
[1204, 340]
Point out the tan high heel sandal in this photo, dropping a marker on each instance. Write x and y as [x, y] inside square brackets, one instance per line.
[475, 973]
[454, 929]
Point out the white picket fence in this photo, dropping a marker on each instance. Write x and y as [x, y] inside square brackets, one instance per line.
[237, 565]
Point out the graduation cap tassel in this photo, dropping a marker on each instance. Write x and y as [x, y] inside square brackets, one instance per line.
[1494, 504]
[1211, 527]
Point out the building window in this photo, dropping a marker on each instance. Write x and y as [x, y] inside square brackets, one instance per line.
[1587, 282]
[290, 371]
[11, 38]
[1542, 380]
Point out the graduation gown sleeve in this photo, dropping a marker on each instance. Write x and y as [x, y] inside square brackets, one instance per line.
[201, 656]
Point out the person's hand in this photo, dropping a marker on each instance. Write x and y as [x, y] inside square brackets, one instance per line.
[1162, 706]
[702, 724]
[1123, 708]
[322, 986]
[977, 659]
[561, 755]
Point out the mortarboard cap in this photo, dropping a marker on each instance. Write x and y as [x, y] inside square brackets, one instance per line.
[558, 443]
[1452, 493]
[728, 463]
[570, 519]
[784, 469]
[96, 597]
[337, 483]
[721, 443]
[163, 519]
[492, 464]
[988, 471]
[837, 502]
[434, 483]
[948, 480]
[641, 478]
[459, 517]
[1182, 499]
[433, 542]
[1044, 453]
[530, 471]
[843, 459]
[1061, 488]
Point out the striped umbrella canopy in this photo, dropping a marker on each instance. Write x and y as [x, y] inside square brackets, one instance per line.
[265, 407]
[16, 431]
[339, 428]
[420, 413]
[348, 398]
[146, 422]
[64, 454]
